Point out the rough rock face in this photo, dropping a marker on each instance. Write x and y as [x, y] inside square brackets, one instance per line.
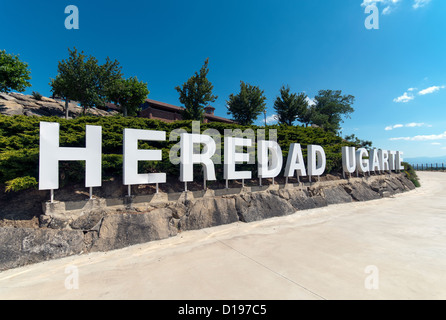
[122, 230]
[21, 246]
[208, 212]
[262, 205]
[109, 228]
[20, 104]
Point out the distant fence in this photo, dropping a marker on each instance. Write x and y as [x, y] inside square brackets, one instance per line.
[430, 167]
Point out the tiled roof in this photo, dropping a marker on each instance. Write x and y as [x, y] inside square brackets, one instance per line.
[163, 105]
[172, 108]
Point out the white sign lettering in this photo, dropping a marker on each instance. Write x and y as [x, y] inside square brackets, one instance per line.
[269, 157]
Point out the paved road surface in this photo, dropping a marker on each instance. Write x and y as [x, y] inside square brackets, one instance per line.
[393, 248]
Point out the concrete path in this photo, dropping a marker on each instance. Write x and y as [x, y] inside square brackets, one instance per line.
[393, 248]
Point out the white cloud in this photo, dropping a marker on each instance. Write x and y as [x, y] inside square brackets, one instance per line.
[420, 3]
[310, 101]
[414, 124]
[366, 3]
[406, 97]
[409, 125]
[272, 119]
[387, 10]
[441, 136]
[409, 96]
[394, 127]
[430, 90]
[436, 143]
[390, 5]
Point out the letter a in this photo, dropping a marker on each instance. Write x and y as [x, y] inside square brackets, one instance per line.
[372, 21]
[72, 21]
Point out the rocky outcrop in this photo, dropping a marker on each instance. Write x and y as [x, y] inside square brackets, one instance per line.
[21, 246]
[98, 227]
[20, 104]
[122, 230]
[208, 212]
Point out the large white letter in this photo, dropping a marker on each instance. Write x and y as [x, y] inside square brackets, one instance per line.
[348, 159]
[232, 157]
[295, 161]
[399, 160]
[374, 160]
[362, 165]
[316, 160]
[189, 158]
[392, 158]
[269, 169]
[51, 154]
[383, 156]
[132, 155]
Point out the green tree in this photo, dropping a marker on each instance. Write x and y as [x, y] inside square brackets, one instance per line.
[330, 108]
[109, 73]
[196, 93]
[361, 143]
[81, 78]
[246, 106]
[61, 89]
[129, 94]
[305, 115]
[14, 73]
[290, 105]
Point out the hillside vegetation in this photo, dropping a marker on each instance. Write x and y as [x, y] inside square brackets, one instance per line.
[19, 146]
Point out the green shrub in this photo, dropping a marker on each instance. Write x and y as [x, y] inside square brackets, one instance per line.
[37, 95]
[22, 183]
[111, 165]
[411, 174]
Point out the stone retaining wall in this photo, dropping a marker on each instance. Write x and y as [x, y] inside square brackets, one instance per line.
[107, 224]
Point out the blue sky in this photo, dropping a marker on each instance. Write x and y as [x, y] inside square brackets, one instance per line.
[397, 72]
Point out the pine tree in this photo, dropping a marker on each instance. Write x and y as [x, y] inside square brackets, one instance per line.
[81, 78]
[14, 74]
[196, 93]
[330, 107]
[289, 106]
[129, 94]
[246, 106]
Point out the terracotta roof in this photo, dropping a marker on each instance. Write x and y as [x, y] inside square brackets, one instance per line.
[113, 106]
[172, 108]
[216, 118]
[163, 105]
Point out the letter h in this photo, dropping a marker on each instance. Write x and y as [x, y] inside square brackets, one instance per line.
[51, 154]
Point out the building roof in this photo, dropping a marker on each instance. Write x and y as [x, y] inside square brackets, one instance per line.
[172, 108]
[163, 105]
[113, 106]
[218, 119]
